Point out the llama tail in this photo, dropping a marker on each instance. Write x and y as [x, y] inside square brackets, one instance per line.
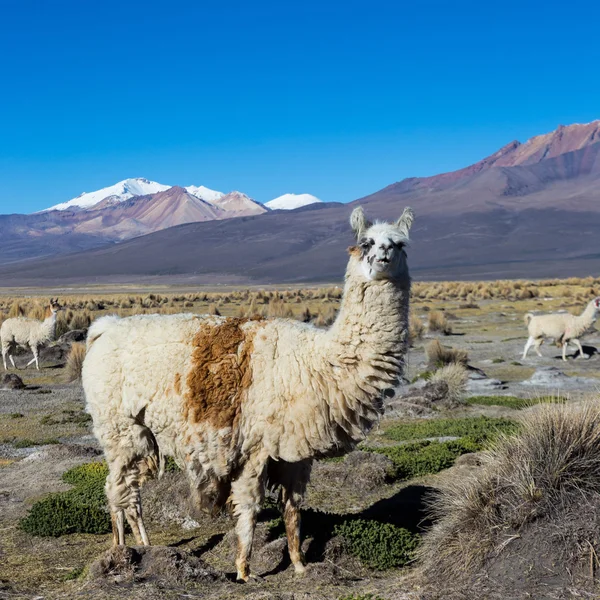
[98, 328]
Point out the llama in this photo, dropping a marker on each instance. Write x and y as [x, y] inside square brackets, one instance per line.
[242, 404]
[25, 332]
[562, 327]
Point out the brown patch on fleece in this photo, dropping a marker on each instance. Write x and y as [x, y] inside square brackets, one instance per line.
[177, 384]
[220, 373]
[354, 251]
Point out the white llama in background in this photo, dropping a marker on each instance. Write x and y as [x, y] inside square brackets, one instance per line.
[562, 327]
[242, 403]
[20, 331]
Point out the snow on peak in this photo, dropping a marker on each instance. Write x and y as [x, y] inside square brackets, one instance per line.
[291, 201]
[204, 193]
[123, 190]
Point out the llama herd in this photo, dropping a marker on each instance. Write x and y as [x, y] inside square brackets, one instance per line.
[246, 404]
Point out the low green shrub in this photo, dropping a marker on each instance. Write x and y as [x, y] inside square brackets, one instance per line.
[378, 545]
[481, 428]
[79, 417]
[65, 513]
[27, 443]
[426, 375]
[81, 509]
[170, 465]
[426, 457]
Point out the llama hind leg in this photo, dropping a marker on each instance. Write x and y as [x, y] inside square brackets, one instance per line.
[582, 354]
[247, 495]
[34, 359]
[134, 459]
[538, 343]
[528, 345]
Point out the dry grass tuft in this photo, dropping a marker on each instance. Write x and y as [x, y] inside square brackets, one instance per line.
[455, 376]
[439, 356]
[16, 310]
[530, 506]
[438, 323]
[75, 361]
[416, 328]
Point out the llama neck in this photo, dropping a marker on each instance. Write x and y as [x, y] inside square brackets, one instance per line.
[48, 327]
[367, 346]
[588, 316]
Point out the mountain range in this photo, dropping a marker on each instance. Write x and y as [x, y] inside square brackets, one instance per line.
[127, 209]
[529, 210]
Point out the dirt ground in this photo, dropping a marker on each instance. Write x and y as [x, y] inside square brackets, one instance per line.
[198, 560]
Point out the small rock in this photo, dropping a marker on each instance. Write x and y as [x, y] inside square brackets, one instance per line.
[76, 335]
[485, 385]
[11, 381]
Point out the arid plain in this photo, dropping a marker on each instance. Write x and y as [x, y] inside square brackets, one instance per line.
[364, 515]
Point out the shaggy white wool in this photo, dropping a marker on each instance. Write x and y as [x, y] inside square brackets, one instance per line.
[311, 392]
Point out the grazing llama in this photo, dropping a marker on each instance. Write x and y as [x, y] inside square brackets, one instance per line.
[20, 331]
[562, 327]
[242, 404]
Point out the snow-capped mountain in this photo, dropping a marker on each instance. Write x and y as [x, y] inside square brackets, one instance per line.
[123, 190]
[204, 193]
[291, 201]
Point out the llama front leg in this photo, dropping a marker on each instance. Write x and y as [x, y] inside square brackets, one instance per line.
[564, 351]
[4, 351]
[247, 495]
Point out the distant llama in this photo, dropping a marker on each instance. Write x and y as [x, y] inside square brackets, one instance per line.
[245, 403]
[562, 327]
[20, 331]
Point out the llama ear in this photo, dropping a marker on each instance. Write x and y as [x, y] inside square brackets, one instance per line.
[359, 222]
[404, 223]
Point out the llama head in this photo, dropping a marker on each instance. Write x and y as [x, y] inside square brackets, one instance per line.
[596, 302]
[54, 306]
[381, 246]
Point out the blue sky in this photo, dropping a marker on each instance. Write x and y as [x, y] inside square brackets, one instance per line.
[337, 99]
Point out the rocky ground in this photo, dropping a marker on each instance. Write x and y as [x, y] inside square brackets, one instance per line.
[44, 432]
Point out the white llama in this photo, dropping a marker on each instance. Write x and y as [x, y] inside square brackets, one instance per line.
[562, 327]
[31, 333]
[242, 403]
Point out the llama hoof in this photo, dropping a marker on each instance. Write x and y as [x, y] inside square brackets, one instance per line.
[300, 569]
[248, 577]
